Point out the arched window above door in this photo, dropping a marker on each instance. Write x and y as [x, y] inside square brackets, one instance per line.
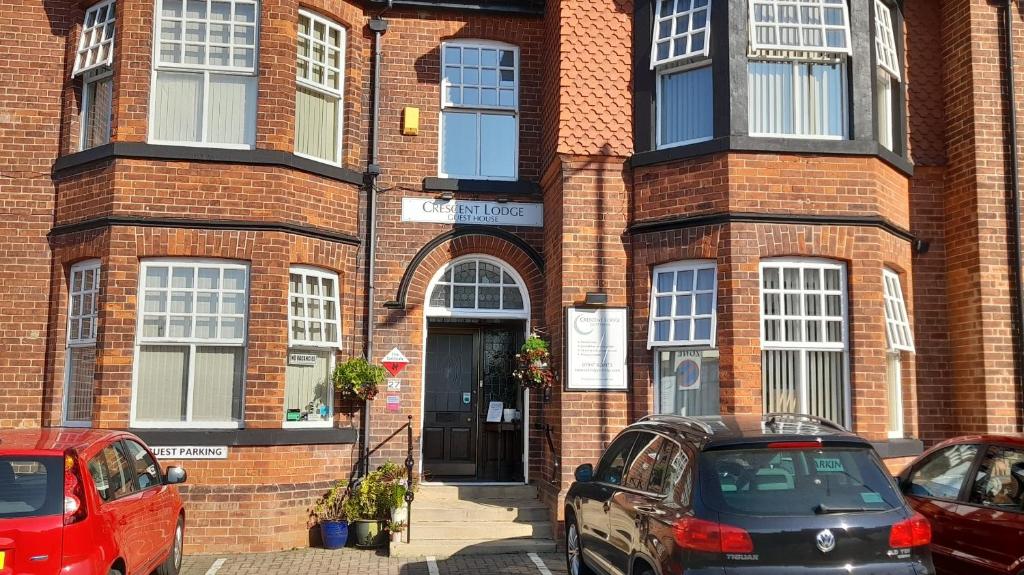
[477, 286]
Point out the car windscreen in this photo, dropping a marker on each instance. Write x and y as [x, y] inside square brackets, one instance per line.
[31, 486]
[772, 481]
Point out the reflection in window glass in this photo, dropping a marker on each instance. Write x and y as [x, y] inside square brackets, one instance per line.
[943, 474]
[687, 382]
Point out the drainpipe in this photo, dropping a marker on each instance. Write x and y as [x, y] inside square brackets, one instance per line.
[1018, 275]
[378, 26]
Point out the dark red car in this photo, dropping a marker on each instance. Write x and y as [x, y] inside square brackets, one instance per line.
[972, 490]
[86, 502]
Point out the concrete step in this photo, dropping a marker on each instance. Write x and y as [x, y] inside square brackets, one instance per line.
[479, 530]
[442, 549]
[475, 492]
[484, 510]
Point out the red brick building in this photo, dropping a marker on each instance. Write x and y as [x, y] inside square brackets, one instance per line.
[761, 208]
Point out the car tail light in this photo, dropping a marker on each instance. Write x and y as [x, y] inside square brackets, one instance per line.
[74, 492]
[711, 537]
[913, 532]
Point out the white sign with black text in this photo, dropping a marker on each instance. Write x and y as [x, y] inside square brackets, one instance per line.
[191, 452]
[302, 359]
[596, 349]
[431, 210]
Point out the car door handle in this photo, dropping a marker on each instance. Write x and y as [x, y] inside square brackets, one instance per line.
[648, 510]
[607, 505]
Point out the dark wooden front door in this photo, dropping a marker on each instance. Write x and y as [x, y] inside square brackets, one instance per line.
[466, 369]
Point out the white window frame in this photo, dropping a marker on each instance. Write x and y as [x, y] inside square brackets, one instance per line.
[191, 342]
[800, 102]
[676, 36]
[300, 344]
[759, 47]
[205, 70]
[804, 347]
[888, 59]
[887, 55]
[898, 332]
[92, 77]
[453, 312]
[73, 341]
[479, 110]
[92, 38]
[894, 388]
[308, 83]
[695, 266]
[669, 70]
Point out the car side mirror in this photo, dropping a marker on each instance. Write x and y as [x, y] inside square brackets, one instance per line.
[175, 475]
[584, 473]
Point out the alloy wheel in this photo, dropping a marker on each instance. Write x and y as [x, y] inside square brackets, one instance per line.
[572, 549]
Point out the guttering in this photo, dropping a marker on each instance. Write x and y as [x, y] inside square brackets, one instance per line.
[1018, 274]
[378, 25]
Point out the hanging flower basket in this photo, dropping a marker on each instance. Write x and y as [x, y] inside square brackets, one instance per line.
[358, 379]
[533, 370]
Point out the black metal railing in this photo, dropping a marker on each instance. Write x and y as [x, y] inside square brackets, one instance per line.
[409, 496]
[555, 461]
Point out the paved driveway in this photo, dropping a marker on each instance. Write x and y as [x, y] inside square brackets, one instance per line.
[356, 562]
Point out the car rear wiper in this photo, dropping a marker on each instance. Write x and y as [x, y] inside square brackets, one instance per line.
[823, 509]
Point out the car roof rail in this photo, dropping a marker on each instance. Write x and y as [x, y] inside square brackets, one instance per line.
[802, 418]
[679, 419]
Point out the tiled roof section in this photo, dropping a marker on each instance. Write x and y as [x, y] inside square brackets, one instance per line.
[596, 100]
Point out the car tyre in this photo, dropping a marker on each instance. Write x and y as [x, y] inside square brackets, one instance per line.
[172, 565]
[114, 572]
[574, 550]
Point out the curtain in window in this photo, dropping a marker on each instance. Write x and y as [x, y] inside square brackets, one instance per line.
[497, 145]
[780, 380]
[81, 371]
[316, 124]
[232, 109]
[686, 106]
[825, 385]
[885, 111]
[797, 99]
[305, 385]
[894, 381]
[163, 377]
[97, 114]
[706, 400]
[459, 144]
[178, 107]
[823, 372]
[217, 393]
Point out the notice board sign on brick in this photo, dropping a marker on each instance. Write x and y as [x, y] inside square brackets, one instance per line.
[596, 340]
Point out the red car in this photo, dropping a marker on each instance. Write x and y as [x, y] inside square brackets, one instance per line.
[86, 502]
[972, 490]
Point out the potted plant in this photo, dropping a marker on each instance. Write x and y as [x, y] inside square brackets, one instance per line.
[358, 378]
[329, 513]
[533, 370]
[395, 529]
[371, 503]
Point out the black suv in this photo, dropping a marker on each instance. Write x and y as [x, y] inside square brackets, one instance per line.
[742, 495]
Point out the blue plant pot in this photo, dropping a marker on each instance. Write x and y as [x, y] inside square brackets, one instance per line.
[334, 534]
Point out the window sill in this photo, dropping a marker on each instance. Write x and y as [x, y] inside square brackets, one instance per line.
[146, 151]
[308, 424]
[897, 448]
[248, 437]
[774, 145]
[489, 187]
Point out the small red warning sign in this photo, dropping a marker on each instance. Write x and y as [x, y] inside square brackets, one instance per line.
[395, 361]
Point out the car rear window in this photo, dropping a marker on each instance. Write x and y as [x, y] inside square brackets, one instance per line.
[31, 486]
[795, 481]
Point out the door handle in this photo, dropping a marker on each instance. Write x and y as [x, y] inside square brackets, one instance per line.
[648, 509]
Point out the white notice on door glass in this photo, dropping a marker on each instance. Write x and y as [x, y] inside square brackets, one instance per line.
[494, 411]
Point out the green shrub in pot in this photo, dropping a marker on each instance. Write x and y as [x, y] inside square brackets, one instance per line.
[371, 503]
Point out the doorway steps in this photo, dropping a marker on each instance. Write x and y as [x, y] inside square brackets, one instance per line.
[449, 520]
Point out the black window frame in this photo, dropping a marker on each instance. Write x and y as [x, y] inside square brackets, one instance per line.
[156, 463]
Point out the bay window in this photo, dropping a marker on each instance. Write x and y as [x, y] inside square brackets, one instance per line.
[320, 82]
[682, 334]
[479, 110]
[900, 338]
[679, 54]
[92, 61]
[191, 344]
[804, 345]
[80, 366]
[314, 336]
[797, 70]
[204, 73]
[889, 76]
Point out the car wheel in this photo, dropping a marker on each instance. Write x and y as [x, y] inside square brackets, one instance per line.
[172, 565]
[113, 572]
[574, 550]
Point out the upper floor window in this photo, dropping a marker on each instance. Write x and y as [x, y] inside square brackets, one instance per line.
[889, 75]
[679, 54]
[80, 366]
[92, 61]
[320, 79]
[314, 336]
[804, 338]
[797, 78]
[204, 73]
[191, 343]
[479, 110]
